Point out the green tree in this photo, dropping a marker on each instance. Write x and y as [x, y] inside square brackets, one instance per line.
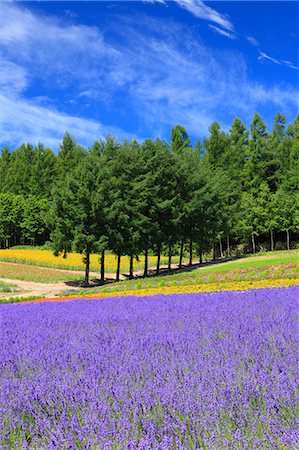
[34, 220]
[216, 147]
[77, 212]
[179, 139]
[254, 170]
[11, 214]
[43, 174]
[69, 156]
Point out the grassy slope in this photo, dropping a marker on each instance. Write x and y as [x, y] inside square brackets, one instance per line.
[259, 260]
[33, 273]
[280, 265]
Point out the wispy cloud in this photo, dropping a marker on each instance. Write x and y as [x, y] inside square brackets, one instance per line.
[195, 86]
[264, 57]
[252, 41]
[58, 55]
[199, 9]
[162, 79]
[34, 123]
[275, 95]
[222, 32]
[290, 64]
[13, 78]
[22, 120]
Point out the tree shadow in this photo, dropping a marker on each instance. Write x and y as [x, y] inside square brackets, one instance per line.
[164, 271]
[152, 273]
[92, 283]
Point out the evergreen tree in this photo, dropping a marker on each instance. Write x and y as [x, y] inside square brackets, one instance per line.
[179, 139]
[34, 220]
[254, 171]
[216, 147]
[69, 156]
[77, 212]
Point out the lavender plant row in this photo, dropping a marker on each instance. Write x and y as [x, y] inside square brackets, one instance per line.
[197, 371]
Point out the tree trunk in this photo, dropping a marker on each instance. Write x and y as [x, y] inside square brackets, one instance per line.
[131, 274]
[288, 239]
[103, 265]
[191, 252]
[253, 243]
[87, 264]
[145, 263]
[200, 257]
[169, 257]
[220, 247]
[158, 260]
[118, 266]
[181, 254]
[227, 246]
[271, 240]
[214, 252]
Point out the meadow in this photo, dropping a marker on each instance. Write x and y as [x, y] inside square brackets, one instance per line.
[28, 272]
[204, 371]
[42, 266]
[259, 270]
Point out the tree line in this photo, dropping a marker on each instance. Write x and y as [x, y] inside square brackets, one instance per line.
[233, 188]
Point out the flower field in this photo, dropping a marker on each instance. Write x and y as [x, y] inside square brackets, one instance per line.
[73, 261]
[193, 371]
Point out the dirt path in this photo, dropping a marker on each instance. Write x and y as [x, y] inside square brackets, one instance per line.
[49, 290]
[30, 288]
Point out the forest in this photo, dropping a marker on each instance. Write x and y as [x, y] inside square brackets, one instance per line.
[233, 191]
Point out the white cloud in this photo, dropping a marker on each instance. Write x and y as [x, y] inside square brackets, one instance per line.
[56, 53]
[54, 48]
[31, 122]
[252, 41]
[13, 78]
[269, 58]
[195, 86]
[199, 9]
[279, 96]
[164, 80]
[263, 56]
[222, 32]
[290, 64]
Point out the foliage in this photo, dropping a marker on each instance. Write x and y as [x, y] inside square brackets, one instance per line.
[235, 188]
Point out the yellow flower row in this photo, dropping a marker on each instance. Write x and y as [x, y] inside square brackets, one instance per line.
[192, 289]
[72, 261]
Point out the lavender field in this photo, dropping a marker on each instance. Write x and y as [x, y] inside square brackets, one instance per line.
[196, 371]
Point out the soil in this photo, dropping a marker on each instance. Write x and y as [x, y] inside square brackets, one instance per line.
[30, 288]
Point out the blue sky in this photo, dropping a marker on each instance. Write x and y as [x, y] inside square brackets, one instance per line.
[135, 69]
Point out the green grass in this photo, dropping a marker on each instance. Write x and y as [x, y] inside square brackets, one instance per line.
[4, 287]
[27, 272]
[262, 266]
[19, 299]
[258, 260]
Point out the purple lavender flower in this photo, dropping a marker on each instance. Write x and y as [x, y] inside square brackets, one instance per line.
[196, 371]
